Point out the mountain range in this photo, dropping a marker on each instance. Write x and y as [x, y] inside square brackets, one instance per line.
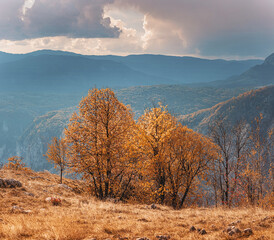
[259, 75]
[39, 92]
[56, 71]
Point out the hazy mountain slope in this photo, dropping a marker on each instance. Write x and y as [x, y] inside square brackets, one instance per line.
[246, 107]
[68, 73]
[17, 112]
[33, 143]
[187, 69]
[257, 76]
[8, 57]
[179, 99]
[62, 71]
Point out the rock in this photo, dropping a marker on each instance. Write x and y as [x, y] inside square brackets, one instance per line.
[228, 229]
[266, 218]
[192, 229]
[48, 199]
[163, 237]
[213, 226]
[65, 186]
[37, 177]
[26, 211]
[29, 194]
[202, 232]
[17, 209]
[143, 220]
[234, 223]
[9, 183]
[237, 230]
[142, 238]
[248, 231]
[231, 233]
[153, 206]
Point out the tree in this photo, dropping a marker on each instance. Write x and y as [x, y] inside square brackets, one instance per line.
[232, 141]
[255, 173]
[97, 139]
[155, 128]
[189, 156]
[57, 154]
[16, 163]
[219, 131]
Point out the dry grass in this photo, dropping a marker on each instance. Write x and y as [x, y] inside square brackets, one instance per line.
[81, 217]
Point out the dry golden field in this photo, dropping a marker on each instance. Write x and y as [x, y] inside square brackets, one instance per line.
[83, 217]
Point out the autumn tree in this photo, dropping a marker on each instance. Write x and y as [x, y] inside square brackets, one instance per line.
[256, 171]
[16, 163]
[57, 154]
[188, 156]
[97, 139]
[155, 127]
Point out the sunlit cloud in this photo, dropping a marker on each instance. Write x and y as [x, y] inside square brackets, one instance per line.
[212, 28]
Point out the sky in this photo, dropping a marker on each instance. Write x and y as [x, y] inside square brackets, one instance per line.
[231, 29]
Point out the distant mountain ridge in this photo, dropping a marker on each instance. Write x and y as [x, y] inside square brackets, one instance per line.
[61, 73]
[257, 76]
[48, 70]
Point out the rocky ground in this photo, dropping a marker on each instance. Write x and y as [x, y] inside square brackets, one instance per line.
[30, 208]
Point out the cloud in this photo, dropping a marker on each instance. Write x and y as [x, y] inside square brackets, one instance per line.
[30, 19]
[212, 27]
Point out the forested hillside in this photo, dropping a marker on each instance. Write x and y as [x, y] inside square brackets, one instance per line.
[257, 76]
[245, 107]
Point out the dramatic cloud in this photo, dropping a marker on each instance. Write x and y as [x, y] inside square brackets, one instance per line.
[29, 19]
[211, 27]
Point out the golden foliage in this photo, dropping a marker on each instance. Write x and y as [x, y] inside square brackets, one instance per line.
[57, 154]
[188, 155]
[97, 143]
[155, 127]
[15, 163]
[172, 156]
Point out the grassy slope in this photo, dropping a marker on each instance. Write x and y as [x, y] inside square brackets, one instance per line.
[83, 217]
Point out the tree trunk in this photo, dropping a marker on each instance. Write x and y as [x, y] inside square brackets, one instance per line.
[184, 197]
[61, 175]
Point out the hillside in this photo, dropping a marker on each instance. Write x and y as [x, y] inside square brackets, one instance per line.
[32, 144]
[246, 107]
[257, 76]
[57, 71]
[65, 73]
[184, 69]
[18, 110]
[28, 214]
